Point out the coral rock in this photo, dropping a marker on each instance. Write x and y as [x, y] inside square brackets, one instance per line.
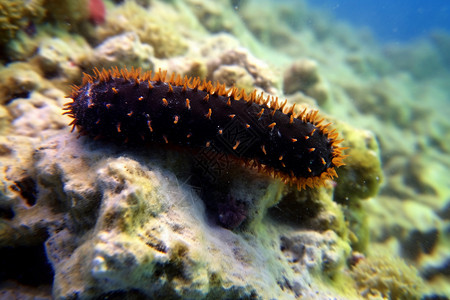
[387, 277]
[124, 49]
[303, 76]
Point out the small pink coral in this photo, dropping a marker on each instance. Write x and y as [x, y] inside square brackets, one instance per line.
[97, 11]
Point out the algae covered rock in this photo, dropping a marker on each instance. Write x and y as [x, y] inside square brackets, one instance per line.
[151, 28]
[241, 61]
[14, 16]
[124, 49]
[362, 175]
[62, 58]
[387, 278]
[359, 179]
[234, 75]
[323, 254]
[154, 236]
[25, 18]
[19, 80]
[303, 76]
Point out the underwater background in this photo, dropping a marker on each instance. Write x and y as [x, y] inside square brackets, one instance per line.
[391, 21]
[82, 218]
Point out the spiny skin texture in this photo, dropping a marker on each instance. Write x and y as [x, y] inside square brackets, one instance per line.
[133, 107]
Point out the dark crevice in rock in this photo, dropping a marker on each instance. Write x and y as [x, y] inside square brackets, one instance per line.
[27, 189]
[6, 212]
[442, 269]
[27, 265]
[418, 243]
[296, 208]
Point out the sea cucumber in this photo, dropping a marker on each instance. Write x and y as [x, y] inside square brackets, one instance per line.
[129, 106]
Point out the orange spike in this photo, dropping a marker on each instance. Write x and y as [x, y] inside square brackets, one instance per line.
[233, 93]
[283, 105]
[178, 80]
[162, 75]
[171, 80]
[291, 109]
[124, 73]
[188, 81]
[236, 145]
[260, 98]
[260, 113]
[253, 96]
[188, 105]
[165, 103]
[333, 136]
[272, 125]
[291, 119]
[274, 105]
[333, 172]
[301, 115]
[217, 88]
[208, 115]
[176, 118]
[195, 83]
[242, 95]
[263, 148]
[311, 116]
[149, 124]
[326, 125]
[96, 72]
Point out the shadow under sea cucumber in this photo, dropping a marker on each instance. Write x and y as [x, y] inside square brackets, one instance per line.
[129, 106]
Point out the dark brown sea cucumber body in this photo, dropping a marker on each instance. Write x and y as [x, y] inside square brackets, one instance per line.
[127, 106]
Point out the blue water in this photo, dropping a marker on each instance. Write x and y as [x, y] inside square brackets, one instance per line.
[392, 20]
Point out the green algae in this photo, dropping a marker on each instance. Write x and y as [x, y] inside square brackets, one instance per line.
[387, 277]
[15, 15]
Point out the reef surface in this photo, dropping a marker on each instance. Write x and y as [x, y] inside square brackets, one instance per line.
[100, 220]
